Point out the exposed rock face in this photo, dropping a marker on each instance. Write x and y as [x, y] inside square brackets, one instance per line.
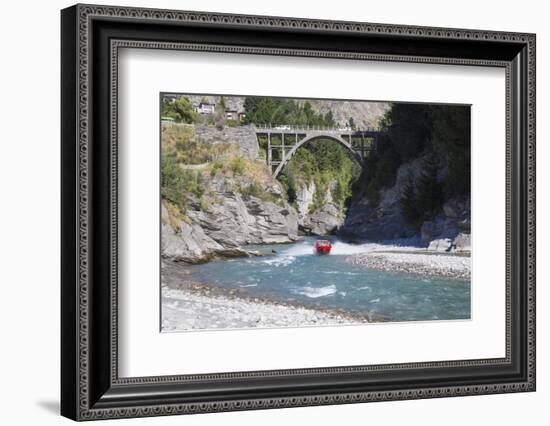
[462, 243]
[452, 223]
[364, 114]
[226, 225]
[324, 220]
[304, 198]
[367, 223]
[223, 219]
[385, 222]
[232, 221]
[443, 244]
[188, 243]
[242, 136]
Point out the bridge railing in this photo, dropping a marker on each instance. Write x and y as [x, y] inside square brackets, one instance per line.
[288, 128]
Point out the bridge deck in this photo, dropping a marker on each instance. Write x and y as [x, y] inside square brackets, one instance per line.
[318, 130]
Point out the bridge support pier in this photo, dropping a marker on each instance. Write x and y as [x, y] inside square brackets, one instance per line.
[269, 157]
[283, 153]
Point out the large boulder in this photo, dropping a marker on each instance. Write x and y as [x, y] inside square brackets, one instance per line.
[325, 221]
[443, 244]
[189, 243]
[462, 243]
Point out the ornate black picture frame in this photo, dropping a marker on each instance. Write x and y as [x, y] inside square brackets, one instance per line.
[91, 36]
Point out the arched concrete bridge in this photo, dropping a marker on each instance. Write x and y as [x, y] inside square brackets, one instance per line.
[358, 141]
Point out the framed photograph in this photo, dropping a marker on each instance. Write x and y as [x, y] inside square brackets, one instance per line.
[263, 212]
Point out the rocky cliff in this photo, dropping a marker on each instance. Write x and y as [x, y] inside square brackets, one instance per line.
[323, 218]
[223, 220]
[364, 114]
[226, 200]
[448, 230]
[243, 137]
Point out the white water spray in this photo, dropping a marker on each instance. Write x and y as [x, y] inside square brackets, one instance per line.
[338, 248]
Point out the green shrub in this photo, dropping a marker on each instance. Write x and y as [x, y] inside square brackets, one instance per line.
[322, 161]
[237, 165]
[286, 178]
[276, 111]
[372, 194]
[253, 189]
[216, 166]
[176, 182]
[181, 143]
[232, 123]
[386, 169]
[413, 131]
[430, 190]
[408, 203]
[207, 201]
[180, 109]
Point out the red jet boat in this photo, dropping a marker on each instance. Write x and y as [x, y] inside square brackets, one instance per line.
[323, 246]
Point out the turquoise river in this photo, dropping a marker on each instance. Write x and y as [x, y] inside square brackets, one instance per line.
[292, 273]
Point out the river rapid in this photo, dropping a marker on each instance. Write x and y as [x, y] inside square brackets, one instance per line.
[294, 274]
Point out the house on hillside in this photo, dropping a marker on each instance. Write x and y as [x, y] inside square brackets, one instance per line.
[205, 108]
[231, 114]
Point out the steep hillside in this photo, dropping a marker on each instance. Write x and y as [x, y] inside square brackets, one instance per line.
[318, 181]
[416, 184]
[363, 114]
[216, 197]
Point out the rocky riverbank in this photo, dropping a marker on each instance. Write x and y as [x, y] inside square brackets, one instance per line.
[416, 262]
[220, 230]
[190, 305]
[185, 311]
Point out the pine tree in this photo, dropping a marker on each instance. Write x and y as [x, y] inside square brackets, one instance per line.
[408, 203]
[452, 135]
[430, 192]
[181, 110]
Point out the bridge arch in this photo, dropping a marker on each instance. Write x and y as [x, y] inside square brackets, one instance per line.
[287, 156]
